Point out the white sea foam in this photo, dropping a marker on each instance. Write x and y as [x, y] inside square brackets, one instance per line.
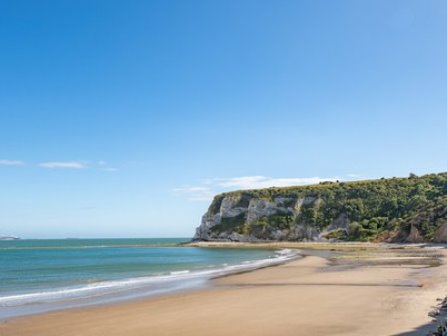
[149, 285]
[179, 272]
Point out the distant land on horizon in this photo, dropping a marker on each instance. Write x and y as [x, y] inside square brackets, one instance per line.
[9, 237]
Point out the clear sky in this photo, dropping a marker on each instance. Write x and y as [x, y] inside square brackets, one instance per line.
[123, 118]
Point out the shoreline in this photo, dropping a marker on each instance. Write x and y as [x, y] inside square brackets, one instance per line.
[324, 285]
[314, 245]
[129, 289]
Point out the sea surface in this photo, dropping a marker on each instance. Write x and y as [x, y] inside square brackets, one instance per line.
[44, 275]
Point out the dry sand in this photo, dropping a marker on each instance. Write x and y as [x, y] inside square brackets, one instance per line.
[303, 297]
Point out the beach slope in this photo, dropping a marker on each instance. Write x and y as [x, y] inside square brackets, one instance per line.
[311, 296]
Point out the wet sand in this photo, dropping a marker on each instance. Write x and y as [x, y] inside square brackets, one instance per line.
[368, 292]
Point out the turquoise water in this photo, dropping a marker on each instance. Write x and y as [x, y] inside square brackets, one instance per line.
[40, 274]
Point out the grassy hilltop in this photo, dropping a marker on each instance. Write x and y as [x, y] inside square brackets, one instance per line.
[396, 209]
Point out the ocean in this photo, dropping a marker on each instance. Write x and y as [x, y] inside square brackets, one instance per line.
[43, 275]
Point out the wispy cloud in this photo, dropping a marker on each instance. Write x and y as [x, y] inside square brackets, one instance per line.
[211, 187]
[255, 182]
[99, 165]
[196, 193]
[70, 165]
[11, 163]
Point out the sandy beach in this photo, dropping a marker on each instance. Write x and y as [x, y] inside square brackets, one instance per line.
[360, 292]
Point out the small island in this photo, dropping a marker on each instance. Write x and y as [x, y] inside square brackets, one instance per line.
[6, 237]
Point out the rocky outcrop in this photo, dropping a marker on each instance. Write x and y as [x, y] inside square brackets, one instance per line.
[414, 236]
[241, 218]
[402, 210]
[441, 233]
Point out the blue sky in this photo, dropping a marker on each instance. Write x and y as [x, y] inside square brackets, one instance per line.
[123, 118]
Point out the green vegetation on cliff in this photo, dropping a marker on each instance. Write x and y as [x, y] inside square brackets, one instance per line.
[396, 209]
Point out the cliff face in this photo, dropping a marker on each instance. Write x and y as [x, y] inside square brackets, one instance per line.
[412, 210]
[255, 220]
